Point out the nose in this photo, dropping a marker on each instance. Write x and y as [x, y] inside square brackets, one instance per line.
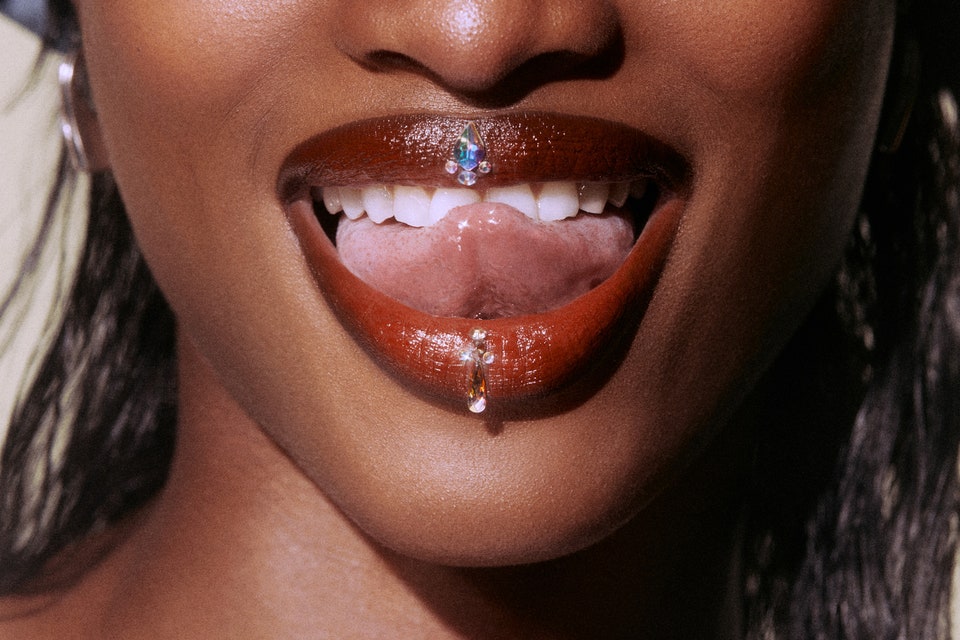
[477, 48]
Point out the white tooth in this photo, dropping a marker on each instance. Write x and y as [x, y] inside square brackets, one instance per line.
[445, 199]
[618, 193]
[638, 188]
[331, 199]
[558, 200]
[520, 197]
[352, 202]
[378, 202]
[411, 206]
[593, 196]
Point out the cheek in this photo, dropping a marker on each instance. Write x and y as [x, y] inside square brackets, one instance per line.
[774, 52]
[782, 108]
[195, 51]
[170, 82]
[177, 79]
[791, 94]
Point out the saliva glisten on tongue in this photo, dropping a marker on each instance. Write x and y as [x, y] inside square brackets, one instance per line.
[486, 260]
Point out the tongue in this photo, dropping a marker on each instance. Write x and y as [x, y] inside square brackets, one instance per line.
[486, 260]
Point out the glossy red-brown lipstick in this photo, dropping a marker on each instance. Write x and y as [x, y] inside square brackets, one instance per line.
[534, 356]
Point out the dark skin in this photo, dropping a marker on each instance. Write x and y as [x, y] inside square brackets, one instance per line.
[621, 510]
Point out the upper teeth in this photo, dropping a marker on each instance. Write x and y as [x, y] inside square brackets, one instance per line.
[423, 206]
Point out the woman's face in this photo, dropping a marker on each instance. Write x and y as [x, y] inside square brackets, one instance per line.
[748, 124]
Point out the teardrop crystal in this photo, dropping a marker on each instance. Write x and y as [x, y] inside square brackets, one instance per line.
[470, 150]
[477, 393]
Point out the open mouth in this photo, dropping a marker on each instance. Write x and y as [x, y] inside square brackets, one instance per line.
[485, 252]
[510, 288]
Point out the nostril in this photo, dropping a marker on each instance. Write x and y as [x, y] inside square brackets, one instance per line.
[485, 90]
[487, 51]
[544, 69]
[383, 60]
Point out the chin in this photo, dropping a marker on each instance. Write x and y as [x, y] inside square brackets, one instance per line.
[441, 487]
[491, 532]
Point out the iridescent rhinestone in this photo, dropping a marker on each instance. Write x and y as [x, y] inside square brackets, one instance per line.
[467, 162]
[470, 150]
[478, 335]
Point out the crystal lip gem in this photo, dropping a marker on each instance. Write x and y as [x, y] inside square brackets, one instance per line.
[539, 362]
[477, 359]
[468, 160]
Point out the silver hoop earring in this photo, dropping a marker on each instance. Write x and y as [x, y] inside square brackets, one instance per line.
[69, 128]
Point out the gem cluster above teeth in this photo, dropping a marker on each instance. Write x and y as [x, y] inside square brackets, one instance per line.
[424, 206]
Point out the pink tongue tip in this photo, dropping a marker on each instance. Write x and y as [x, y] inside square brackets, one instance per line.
[486, 260]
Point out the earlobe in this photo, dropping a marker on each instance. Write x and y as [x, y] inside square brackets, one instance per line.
[79, 125]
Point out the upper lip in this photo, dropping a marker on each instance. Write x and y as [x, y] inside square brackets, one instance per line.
[522, 147]
[536, 355]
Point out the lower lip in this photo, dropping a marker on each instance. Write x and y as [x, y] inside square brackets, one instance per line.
[535, 356]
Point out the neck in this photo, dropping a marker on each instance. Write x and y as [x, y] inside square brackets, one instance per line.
[240, 534]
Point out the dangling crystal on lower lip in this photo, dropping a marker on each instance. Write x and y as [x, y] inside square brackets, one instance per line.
[476, 358]
[468, 161]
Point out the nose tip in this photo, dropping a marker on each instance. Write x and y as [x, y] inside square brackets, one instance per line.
[473, 46]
